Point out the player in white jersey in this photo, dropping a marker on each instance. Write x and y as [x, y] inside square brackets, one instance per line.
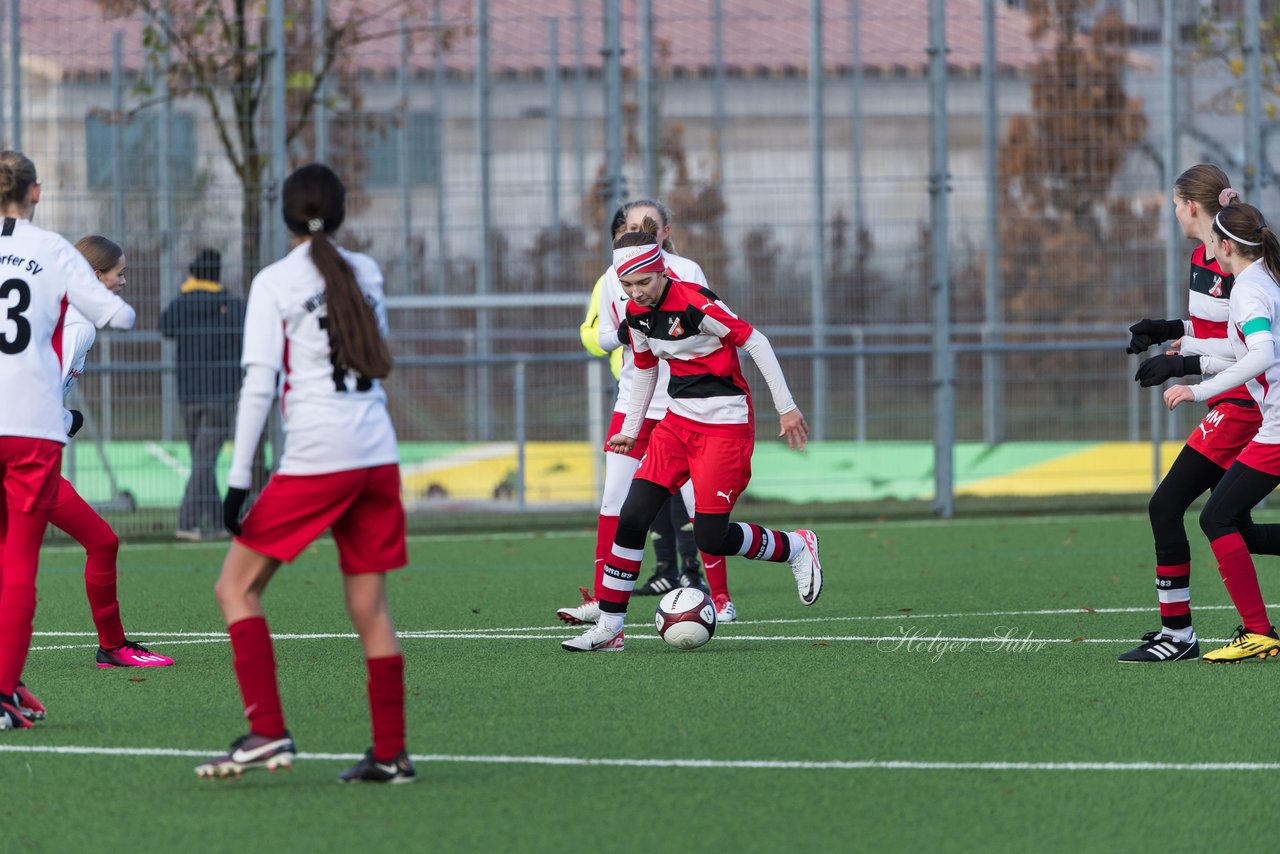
[71, 513]
[1246, 247]
[41, 274]
[612, 337]
[316, 323]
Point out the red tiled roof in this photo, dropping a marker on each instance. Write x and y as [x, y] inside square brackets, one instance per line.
[760, 36]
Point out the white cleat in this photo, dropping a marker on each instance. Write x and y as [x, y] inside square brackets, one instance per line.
[807, 569]
[587, 612]
[725, 612]
[595, 639]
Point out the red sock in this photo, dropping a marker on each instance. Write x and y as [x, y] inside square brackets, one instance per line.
[606, 530]
[386, 705]
[21, 558]
[101, 545]
[255, 663]
[1173, 586]
[717, 572]
[1241, 579]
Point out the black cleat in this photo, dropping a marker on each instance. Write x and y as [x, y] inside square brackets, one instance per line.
[661, 582]
[370, 770]
[1160, 647]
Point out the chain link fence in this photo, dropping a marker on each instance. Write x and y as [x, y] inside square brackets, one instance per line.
[486, 143]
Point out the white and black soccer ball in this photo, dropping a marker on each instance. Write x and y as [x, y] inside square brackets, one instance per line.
[686, 618]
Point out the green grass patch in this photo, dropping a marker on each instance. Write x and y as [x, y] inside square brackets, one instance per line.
[863, 676]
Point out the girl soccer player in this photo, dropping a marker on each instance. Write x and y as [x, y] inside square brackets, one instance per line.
[72, 513]
[317, 316]
[707, 434]
[42, 275]
[1246, 247]
[611, 337]
[1233, 418]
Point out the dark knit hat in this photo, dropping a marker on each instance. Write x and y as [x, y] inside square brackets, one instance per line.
[207, 266]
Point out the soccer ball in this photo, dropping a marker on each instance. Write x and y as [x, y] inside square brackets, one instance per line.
[686, 618]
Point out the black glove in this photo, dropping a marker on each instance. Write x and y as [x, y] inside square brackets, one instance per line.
[624, 334]
[231, 507]
[1149, 332]
[77, 421]
[1159, 369]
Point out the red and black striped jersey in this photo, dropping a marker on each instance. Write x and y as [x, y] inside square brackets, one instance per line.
[698, 336]
[1208, 304]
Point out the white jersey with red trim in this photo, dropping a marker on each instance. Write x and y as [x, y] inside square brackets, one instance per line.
[333, 420]
[41, 275]
[1255, 309]
[613, 311]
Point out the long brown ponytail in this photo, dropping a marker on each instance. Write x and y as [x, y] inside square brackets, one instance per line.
[314, 206]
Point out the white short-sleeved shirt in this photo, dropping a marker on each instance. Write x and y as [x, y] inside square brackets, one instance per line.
[613, 311]
[332, 421]
[41, 276]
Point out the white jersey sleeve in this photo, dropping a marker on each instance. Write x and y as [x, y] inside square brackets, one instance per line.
[89, 296]
[78, 336]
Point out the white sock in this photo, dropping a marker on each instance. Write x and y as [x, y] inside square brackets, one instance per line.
[612, 622]
[1186, 635]
[797, 543]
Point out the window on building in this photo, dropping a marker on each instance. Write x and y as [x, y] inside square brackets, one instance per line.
[140, 151]
[381, 149]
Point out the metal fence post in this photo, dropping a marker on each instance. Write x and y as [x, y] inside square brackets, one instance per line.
[818, 272]
[1175, 300]
[613, 107]
[1251, 26]
[521, 437]
[648, 117]
[437, 82]
[484, 278]
[993, 310]
[15, 71]
[553, 129]
[405, 164]
[164, 201]
[944, 396]
[319, 18]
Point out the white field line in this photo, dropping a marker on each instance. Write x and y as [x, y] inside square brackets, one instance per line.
[753, 764]
[912, 642]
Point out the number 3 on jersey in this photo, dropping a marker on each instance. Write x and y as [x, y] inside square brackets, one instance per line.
[13, 320]
[339, 375]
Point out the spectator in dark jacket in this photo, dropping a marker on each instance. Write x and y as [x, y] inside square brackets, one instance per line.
[208, 325]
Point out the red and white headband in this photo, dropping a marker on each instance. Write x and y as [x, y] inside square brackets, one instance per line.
[630, 260]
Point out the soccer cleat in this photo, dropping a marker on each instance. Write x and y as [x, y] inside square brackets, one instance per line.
[32, 709]
[11, 716]
[249, 752]
[1160, 647]
[807, 569]
[725, 612]
[370, 770]
[130, 654]
[693, 578]
[595, 639]
[1245, 645]
[587, 612]
[662, 581]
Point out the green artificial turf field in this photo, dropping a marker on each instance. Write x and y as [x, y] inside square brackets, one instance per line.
[955, 689]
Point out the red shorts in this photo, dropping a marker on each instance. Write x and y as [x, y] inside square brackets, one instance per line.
[362, 506]
[1225, 430]
[720, 466]
[31, 469]
[1263, 458]
[642, 441]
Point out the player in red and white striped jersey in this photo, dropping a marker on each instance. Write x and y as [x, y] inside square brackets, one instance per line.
[707, 435]
[317, 320]
[41, 274]
[611, 335]
[1199, 194]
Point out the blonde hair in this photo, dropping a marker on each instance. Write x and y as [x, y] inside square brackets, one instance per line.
[17, 177]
